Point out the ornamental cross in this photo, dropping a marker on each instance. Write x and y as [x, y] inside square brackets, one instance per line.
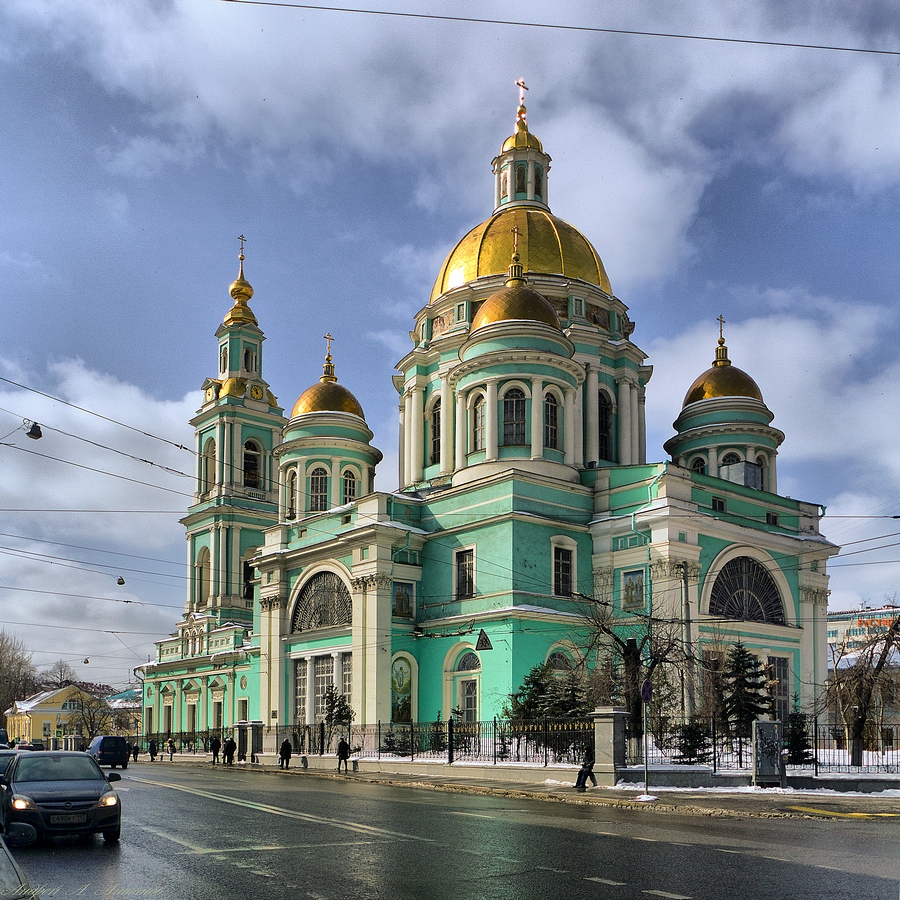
[721, 323]
[515, 231]
[242, 239]
[329, 339]
[520, 84]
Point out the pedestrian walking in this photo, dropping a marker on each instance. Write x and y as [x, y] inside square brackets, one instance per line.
[343, 754]
[215, 745]
[587, 769]
[151, 749]
[134, 751]
[284, 754]
[228, 749]
[171, 749]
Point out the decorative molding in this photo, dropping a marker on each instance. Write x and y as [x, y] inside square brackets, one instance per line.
[368, 582]
[603, 584]
[267, 604]
[816, 596]
[675, 568]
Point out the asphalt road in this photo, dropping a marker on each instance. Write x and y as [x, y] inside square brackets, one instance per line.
[195, 834]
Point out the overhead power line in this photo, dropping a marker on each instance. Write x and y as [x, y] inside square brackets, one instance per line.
[553, 26]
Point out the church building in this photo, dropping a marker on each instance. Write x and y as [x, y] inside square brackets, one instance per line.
[524, 494]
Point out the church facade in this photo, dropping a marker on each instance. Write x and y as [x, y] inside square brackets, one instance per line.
[525, 497]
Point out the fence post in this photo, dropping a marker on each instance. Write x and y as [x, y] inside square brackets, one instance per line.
[450, 741]
[378, 740]
[715, 745]
[412, 742]
[816, 746]
[495, 740]
[545, 740]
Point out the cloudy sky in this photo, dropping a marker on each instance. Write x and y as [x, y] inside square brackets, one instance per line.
[143, 136]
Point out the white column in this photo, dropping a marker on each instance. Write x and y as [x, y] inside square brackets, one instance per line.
[579, 425]
[358, 633]
[624, 423]
[401, 444]
[490, 421]
[772, 487]
[336, 492]
[537, 418]
[417, 426]
[447, 418]
[336, 674]
[461, 429]
[592, 415]
[570, 426]
[635, 442]
[310, 690]
[407, 438]
[220, 453]
[642, 426]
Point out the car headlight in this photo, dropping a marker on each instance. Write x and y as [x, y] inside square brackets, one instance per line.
[109, 800]
[19, 801]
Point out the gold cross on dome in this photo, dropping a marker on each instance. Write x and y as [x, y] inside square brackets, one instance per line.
[329, 339]
[721, 322]
[243, 240]
[520, 84]
[515, 231]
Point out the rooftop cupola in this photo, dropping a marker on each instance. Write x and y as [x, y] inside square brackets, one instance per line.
[520, 171]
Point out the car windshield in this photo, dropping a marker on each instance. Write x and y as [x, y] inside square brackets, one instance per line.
[56, 768]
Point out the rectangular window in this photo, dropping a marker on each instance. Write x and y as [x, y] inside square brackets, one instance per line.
[460, 312]
[514, 418]
[217, 714]
[192, 717]
[778, 674]
[771, 518]
[243, 709]
[551, 422]
[469, 700]
[718, 504]
[300, 690]
[347, 675]
[562, 572]
[478, 425]
[465, 574]
[324, 678]
[318, 491]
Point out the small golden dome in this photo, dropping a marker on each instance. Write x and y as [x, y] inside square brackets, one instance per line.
[722, 380]
[327, 395]
[241, 292]
[523, 139]
[546, 244]
[516, 302]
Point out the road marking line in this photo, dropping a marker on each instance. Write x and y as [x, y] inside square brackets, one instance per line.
[664, 894]
[473, 815]
[607, 881]
[287, 813]
[726, 850]
[844, 815]
[265, 848]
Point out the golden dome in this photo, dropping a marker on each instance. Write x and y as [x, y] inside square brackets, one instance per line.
[723, 380]
[546, 244]
[523, 139]
[327, 395]
[241, 292]
[516, 301]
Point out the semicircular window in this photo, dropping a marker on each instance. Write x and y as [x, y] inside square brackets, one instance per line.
[323, 603]
[745, 590]
[468, 662]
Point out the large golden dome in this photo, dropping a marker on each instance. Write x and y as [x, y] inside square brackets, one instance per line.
[516, 301]
[722, 380]
[327, 396]
[546, 244]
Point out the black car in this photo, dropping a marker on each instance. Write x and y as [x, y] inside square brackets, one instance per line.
[109, 750]
[60, 792]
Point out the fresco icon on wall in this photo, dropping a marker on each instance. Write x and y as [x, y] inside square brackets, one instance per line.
[633, 589]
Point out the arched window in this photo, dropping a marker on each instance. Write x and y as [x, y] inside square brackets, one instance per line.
[252, 455]
[538, 182]
[558, 662]
[763, 472]
[468, 662]
[324, 602]
[521, 179]
[604, 425]
[349, 486]
[249, 359]
[202, 579]
[223, 358]
[478, 424]
[209, 466]
[504, 183]
[436, 432]
[698, 464]
[318, 490]
[730, 459]
[551, 421]
[514, 418]
[290, 496]
[469, 665]
[745, 590]
[249, 575]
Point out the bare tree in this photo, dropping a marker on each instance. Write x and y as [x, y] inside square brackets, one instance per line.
[58, 675]
[18, 676]
[92, 715]
[862, 674]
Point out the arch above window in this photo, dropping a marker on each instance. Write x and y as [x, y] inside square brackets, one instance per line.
[744, 590]
[468, 662]
[324, 602]
[558, 661]
[730, 459]
[698, 464]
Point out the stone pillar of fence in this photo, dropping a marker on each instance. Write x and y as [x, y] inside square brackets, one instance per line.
[609, 742]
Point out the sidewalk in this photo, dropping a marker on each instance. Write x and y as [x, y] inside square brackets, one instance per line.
[557, 785]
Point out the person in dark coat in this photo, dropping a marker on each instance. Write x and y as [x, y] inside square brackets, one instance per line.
[215, 745]
[587, 769]
[284, 754]
[228, 749]
[343, 754]
[135, 750]
[151, 749]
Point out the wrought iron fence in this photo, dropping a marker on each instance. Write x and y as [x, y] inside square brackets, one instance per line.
[543, 741]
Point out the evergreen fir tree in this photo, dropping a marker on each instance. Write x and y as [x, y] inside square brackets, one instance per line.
[746, 698]
[796, 738]
[692, 743]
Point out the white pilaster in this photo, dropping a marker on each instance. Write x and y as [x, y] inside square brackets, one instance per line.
[461, 430]
[418, 433]
[401, 444]
[570, 426]
[447, 418]
[592, 415]
[635, 439]
[642, 427]
[624, 409]
[490, 421]
[578, 414]
[537, 417]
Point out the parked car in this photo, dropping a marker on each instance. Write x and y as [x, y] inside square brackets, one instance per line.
[109, 750]
[61, 792]
[31, 745]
